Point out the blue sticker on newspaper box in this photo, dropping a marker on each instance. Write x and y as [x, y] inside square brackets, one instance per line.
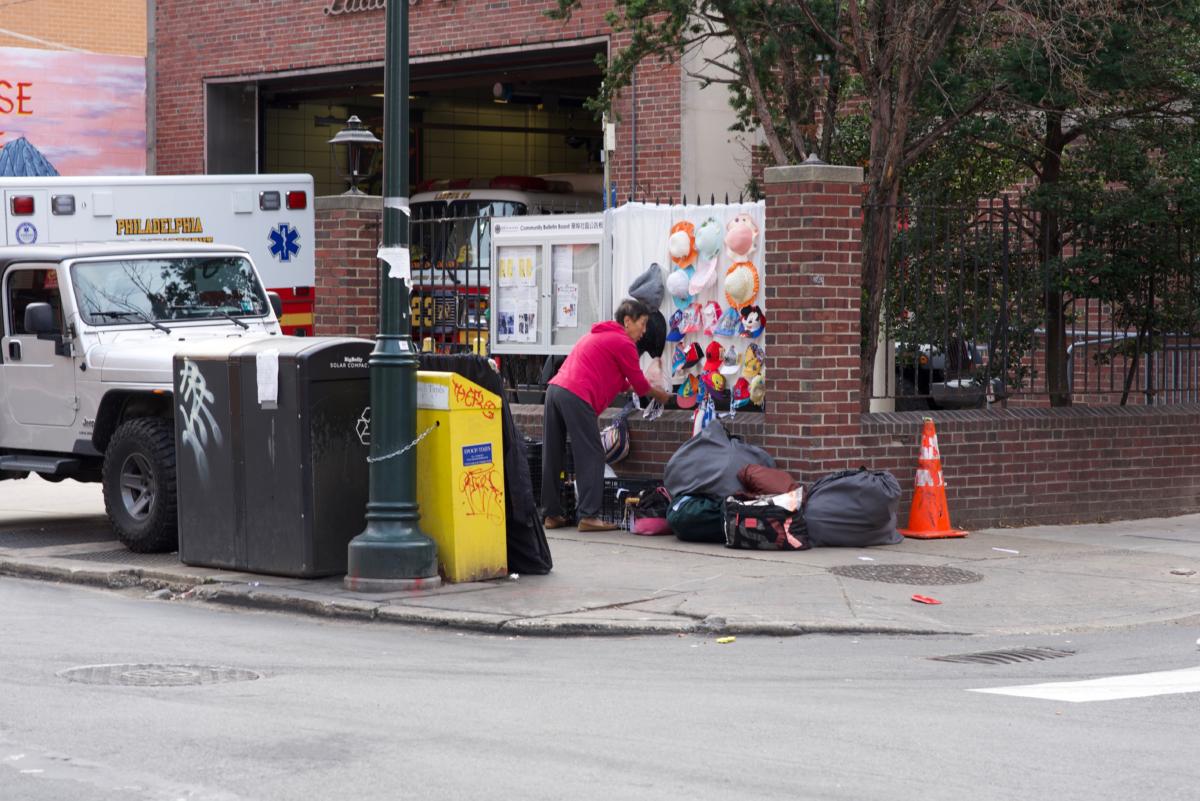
[477, 454]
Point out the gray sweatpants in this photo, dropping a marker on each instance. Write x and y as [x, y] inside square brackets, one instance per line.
[567, 413]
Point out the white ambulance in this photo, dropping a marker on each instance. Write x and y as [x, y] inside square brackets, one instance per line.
[270, 216]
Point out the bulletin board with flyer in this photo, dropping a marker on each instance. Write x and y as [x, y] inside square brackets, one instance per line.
[547, 282]
[707, 263]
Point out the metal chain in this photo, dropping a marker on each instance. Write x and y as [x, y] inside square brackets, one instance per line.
[406, 448]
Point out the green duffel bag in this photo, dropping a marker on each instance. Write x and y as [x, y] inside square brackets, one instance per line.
[697, 518]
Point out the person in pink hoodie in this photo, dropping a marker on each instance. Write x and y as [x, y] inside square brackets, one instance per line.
[602, 365]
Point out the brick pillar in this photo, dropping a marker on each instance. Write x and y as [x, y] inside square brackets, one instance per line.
[347, 272]
[813, 280]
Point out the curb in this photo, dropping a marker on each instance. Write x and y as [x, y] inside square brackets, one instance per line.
[302, 602]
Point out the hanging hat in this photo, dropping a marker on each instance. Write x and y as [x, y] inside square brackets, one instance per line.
[710, 313]
[678, 357]
[649, 287]
[677, 286]
[753, 322]
[758, 390]
[706, 412]
[682, 244]
[729, 325]
[655, 338]
[691, 319]
[752, 360]
[704, 277]
[714, 381]
[741, 393]
[729, 364]
[740, 235]
[693, 356]
[673, 332]
[708, 239]
[712, 357]
[688, 393]
[741, 284]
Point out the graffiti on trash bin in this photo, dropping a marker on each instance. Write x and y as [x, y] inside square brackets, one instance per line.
[472, 397]
[484, 498]
[196, 418]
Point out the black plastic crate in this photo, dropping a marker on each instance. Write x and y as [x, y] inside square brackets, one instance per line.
[566, 477]
[617, 491]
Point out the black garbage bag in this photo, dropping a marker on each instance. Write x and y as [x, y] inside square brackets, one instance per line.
[708, 463]
[528, 550]
[853, 508]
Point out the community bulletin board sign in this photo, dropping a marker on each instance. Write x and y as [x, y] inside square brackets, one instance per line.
[547, 283]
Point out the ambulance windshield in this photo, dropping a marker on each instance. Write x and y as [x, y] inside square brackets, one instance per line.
[183, 288]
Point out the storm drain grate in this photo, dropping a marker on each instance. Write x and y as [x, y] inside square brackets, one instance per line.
[907, 574]
[1006, 657]
[124, 556]
[157, 675]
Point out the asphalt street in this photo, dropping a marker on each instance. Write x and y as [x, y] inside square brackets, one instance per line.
[343, 710]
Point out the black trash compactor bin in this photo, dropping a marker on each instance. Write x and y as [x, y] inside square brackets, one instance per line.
[271, 443]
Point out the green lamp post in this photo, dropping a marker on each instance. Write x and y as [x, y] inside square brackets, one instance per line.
[392, 553]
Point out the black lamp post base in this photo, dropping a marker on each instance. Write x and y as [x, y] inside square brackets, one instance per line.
[390, 556]
[359, 584]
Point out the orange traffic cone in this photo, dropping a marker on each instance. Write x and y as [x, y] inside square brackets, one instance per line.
[929, 518]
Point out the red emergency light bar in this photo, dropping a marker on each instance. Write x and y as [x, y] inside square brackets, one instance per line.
[297, 199]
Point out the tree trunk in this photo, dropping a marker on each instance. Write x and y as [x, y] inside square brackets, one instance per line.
[1050, 248]
[879, 221]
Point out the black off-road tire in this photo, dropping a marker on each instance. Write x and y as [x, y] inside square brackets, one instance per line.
[139, 485]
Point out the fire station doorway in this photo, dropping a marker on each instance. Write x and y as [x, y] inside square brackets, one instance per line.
[511, 111]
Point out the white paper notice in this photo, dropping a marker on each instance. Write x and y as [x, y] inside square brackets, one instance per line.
[527, 320]
[566, 306]
[526, 267]
[398, 261]
[267, 363]
[563, 264]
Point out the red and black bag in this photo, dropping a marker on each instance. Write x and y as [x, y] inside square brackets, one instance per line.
[770, 522]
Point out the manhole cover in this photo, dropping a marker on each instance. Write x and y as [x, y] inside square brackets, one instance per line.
[1005, 657]
[124, 556]
[907, 574]
[157, 675]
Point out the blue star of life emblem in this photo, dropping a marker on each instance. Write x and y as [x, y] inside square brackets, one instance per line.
[284, 242]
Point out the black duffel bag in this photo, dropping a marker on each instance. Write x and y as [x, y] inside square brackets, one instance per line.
[770, 522]
[853, 508]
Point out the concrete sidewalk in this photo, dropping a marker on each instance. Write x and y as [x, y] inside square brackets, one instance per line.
[1042, 579]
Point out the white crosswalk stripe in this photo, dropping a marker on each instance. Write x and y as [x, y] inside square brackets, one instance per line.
[1111, 688]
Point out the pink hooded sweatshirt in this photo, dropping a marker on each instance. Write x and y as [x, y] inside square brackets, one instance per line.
[603, 364]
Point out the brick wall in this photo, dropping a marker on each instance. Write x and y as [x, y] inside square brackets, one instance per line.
[1002, 467]
[347, 272]
[204, 39]
[113, 27]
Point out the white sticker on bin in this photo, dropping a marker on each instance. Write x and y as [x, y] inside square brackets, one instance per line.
[432, 396]
[267, 364]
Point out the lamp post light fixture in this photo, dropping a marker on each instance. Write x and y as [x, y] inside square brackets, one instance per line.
[362, 147]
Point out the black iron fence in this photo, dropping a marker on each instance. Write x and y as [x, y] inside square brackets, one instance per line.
[451, 250]
[1003, 303]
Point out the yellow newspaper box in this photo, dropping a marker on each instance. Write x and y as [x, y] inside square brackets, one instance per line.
[460, 476]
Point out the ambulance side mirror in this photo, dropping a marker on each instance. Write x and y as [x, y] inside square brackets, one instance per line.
[276, 304]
